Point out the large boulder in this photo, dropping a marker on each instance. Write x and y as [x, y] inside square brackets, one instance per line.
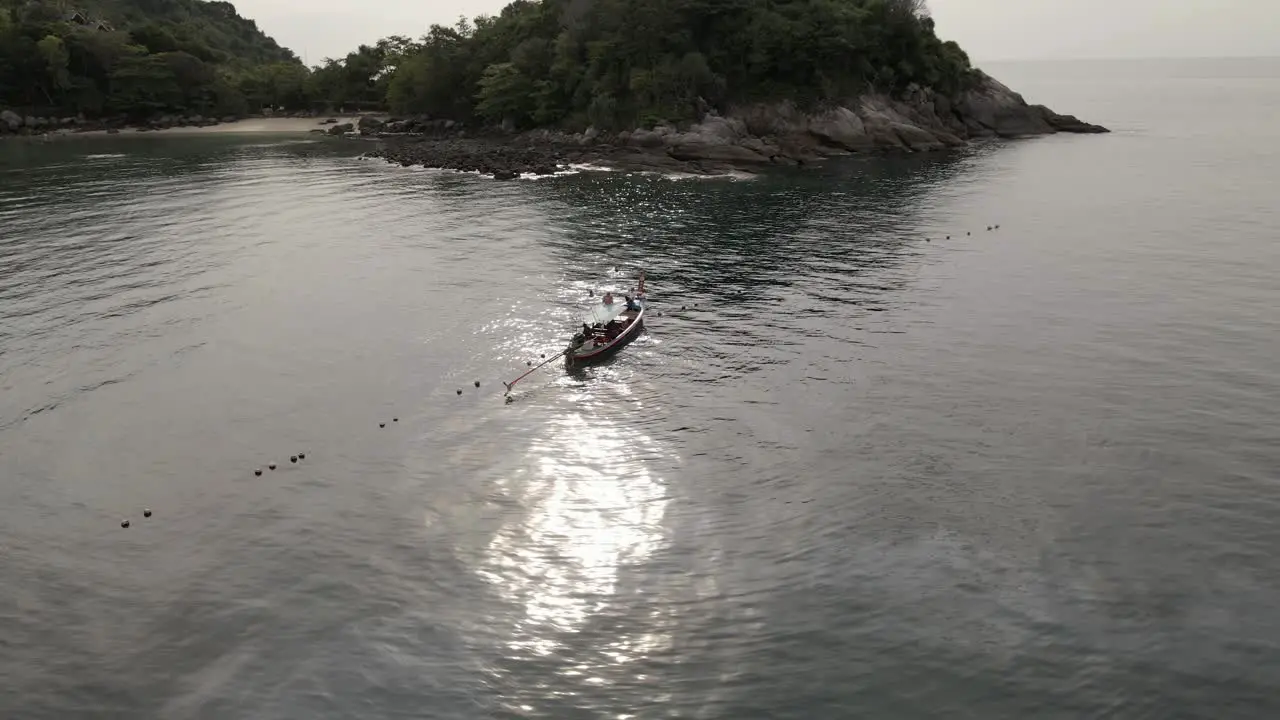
[369, 125]
[917, 138]
[882, 122]
[342, 129]
[905, 124]
[646, 138]
[713, 130]
[10, 120]
[720, 152]
[992, 106]
[641, 161]
[776, 119]
[1067, 123]
[798, 148]
[840, 127]
[925, 109]
[761, 147]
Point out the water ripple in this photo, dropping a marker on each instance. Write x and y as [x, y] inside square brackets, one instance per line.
[852, 467]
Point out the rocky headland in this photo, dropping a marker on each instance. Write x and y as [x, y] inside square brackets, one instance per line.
[747, 138]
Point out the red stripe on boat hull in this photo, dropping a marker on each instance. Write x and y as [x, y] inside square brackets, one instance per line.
[606, 351]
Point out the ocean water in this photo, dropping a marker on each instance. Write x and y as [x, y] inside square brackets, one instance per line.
[871, 459]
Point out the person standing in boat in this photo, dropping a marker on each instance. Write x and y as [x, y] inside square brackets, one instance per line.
[636, 295]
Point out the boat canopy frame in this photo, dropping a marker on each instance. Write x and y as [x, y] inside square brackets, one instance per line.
[603, 314]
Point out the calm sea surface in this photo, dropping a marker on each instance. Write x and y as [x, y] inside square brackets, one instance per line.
[855, 469]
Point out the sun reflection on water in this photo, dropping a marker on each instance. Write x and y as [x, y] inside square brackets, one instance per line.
[590, 507]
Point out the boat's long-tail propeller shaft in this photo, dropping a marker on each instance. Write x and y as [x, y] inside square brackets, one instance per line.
[512, 384]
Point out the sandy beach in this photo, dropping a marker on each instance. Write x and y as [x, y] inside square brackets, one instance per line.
[247, 126]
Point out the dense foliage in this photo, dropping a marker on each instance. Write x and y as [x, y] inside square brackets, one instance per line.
[616, 63]
[570, 63]
[138, 57]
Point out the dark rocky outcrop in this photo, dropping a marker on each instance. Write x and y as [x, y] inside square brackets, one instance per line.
[10, 121]
[369, 125]
[746, 138]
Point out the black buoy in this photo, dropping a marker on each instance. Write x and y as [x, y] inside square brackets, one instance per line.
[302, 456]
[969, 234]
[125, 524]
[381, 425]
[948, 237]
[258, 472]
[146, 512]
[682, 307]
[988, 228]
[272, 466]
[459, 392]
[544, 356]
[293, 458]
[395, 419]
[528, 363]
[997, 227]
[477, 383]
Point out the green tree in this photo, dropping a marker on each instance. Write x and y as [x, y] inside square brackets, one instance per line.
[162, 56]
[144, 85]
[55, 55]
[506, 94]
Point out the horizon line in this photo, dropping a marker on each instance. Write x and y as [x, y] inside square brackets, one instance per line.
[1128, 58]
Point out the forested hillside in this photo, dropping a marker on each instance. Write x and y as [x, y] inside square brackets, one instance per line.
[612, 64]
[619, 63]
[139, 57]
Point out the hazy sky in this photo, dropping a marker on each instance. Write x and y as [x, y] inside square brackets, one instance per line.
[988, 29]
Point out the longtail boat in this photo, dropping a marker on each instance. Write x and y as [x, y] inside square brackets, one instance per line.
[607, 328]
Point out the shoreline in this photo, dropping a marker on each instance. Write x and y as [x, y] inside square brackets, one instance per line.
[746, 139]
[247, 126]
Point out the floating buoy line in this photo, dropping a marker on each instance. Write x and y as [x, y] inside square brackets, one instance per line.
[298, 457]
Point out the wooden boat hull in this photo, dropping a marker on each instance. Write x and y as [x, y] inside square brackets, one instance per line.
[589, 354]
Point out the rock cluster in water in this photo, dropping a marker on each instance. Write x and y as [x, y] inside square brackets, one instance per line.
[746, 139]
